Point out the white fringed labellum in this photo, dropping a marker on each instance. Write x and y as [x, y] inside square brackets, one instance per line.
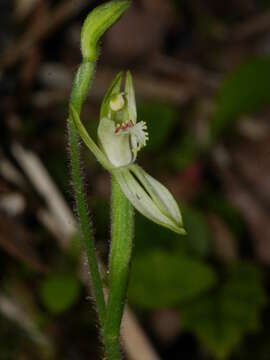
[121, 137]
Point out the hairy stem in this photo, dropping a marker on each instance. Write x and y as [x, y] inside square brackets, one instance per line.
[81, 85]
[119, 262]
[96, 24]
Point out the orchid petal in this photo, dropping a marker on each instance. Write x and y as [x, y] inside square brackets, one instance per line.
[159, 193]
[143, 201]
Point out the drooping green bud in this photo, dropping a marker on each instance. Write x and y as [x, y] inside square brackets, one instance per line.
[97, 22]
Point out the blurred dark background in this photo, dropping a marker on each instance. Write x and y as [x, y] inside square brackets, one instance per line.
[202, 75]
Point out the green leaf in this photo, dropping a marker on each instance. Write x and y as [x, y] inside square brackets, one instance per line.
[58, 292]
[246, 89]
[160, 119]
[221, 319]
[213, 328]
[160, 279]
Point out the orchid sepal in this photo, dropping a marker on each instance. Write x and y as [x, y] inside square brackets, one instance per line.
[92, 146]
[148, 205]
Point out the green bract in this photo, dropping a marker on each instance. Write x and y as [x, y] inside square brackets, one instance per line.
[121, 137]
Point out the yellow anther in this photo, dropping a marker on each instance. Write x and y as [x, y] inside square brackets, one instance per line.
[117, 102]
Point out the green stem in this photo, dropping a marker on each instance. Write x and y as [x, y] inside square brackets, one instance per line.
[81, 85]
[95, 25]
[119, 262]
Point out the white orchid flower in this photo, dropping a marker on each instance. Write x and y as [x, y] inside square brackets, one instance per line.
[120, 138]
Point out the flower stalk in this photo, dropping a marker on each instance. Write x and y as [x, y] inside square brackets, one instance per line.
[78, 95]
[119, 263]
[97, 22]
